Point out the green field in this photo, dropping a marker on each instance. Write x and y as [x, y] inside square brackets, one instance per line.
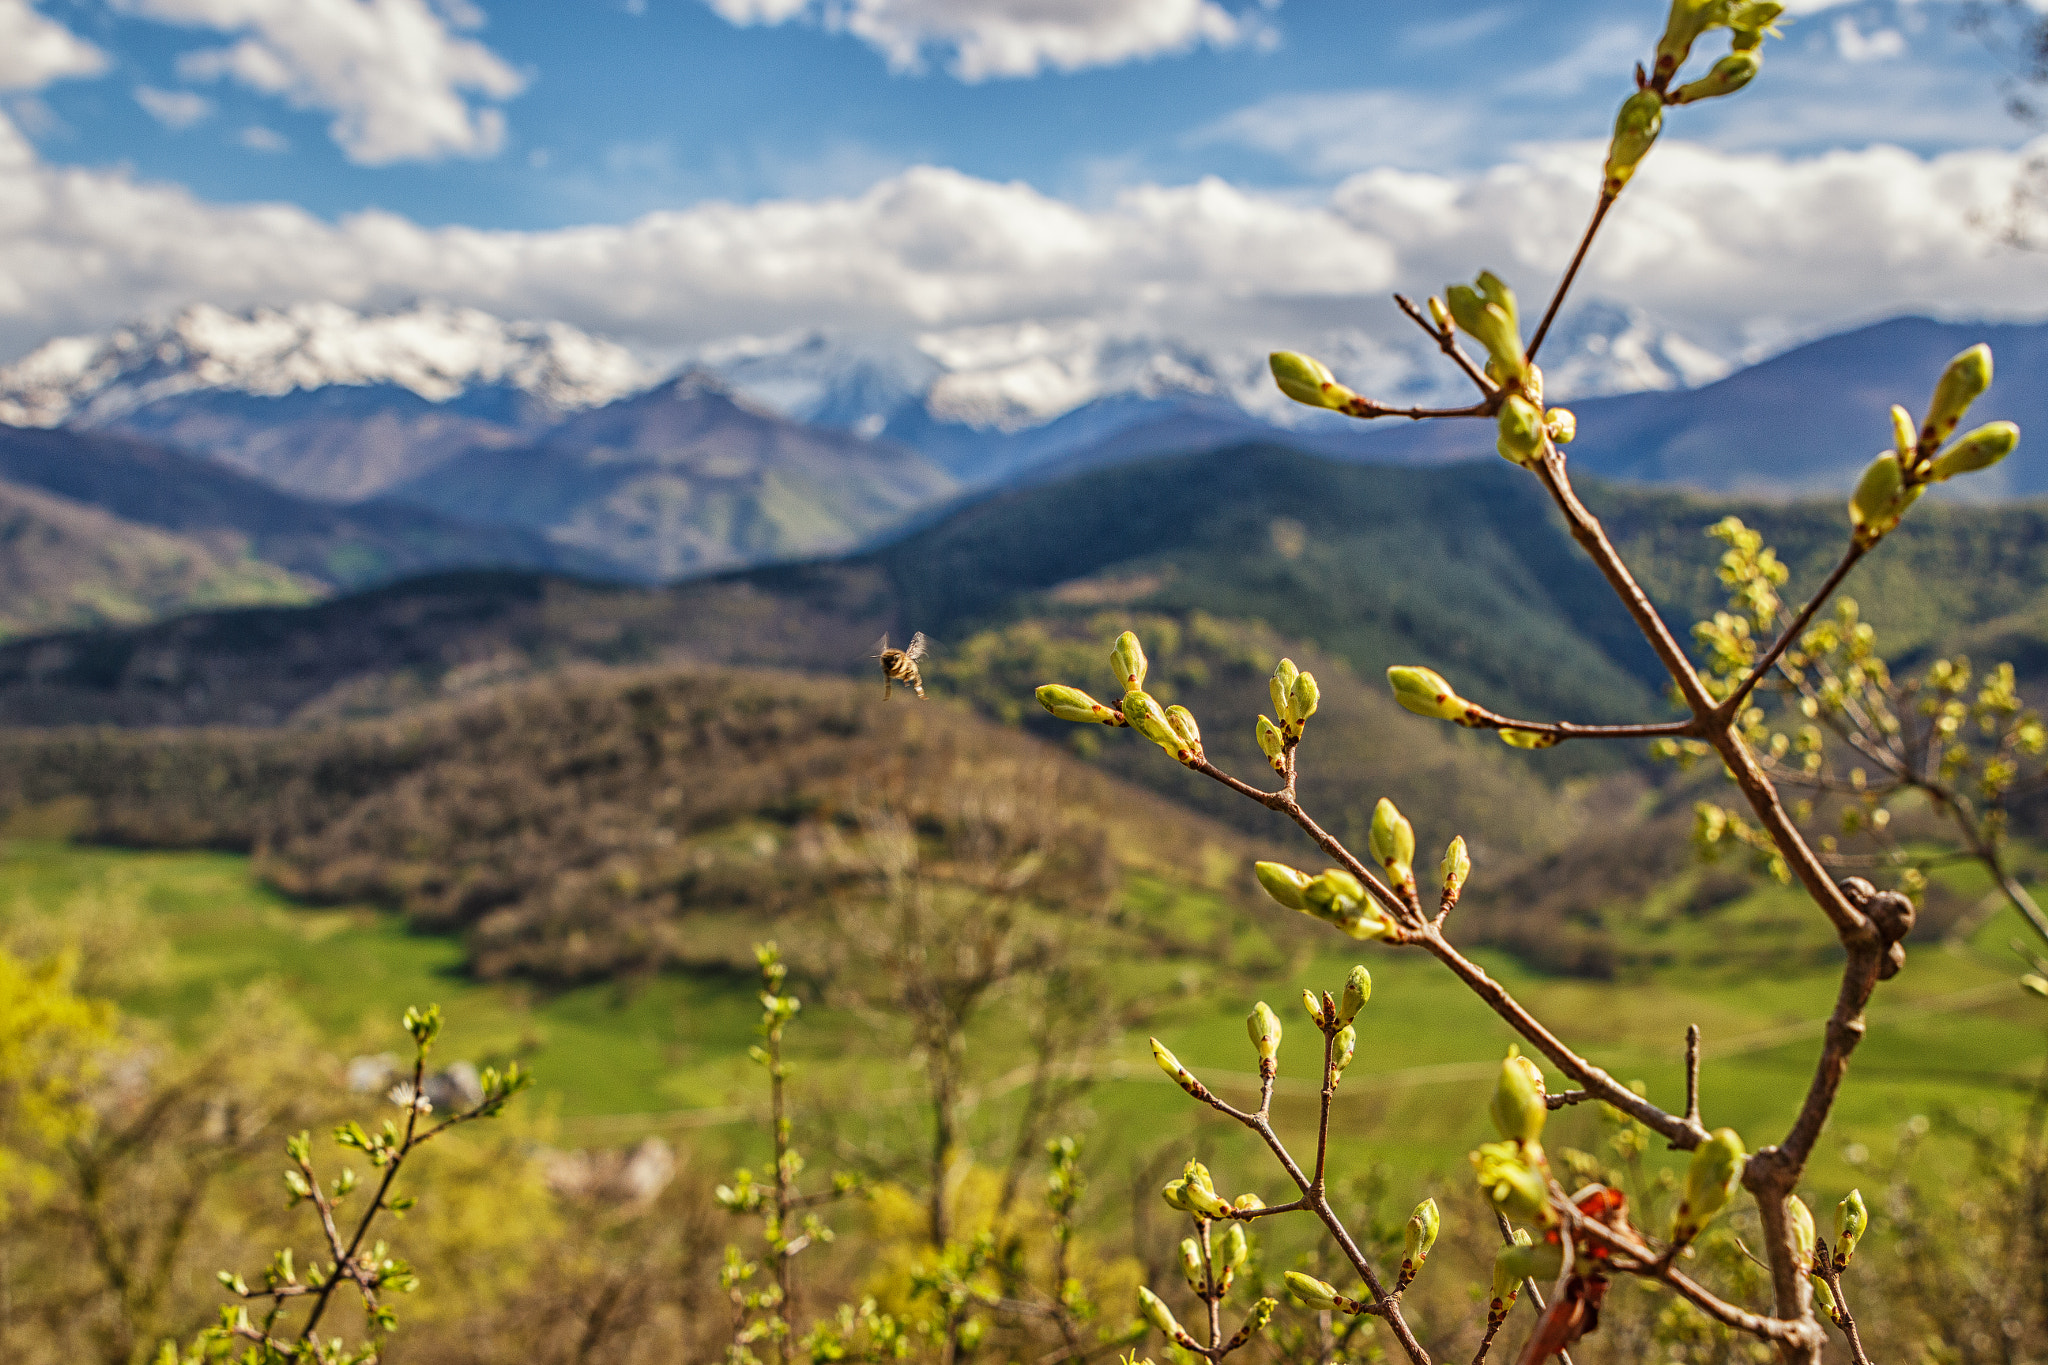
[666, 1053]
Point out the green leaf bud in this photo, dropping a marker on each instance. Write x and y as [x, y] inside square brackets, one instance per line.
[1420, 1234]
[1313, 1293]
[1357, 990]
[1981, 449]
[1307, 380]
[1272, 744]
[1142, 713]
[1281, 687]
[1127, 661]
[1157, 1313]
[1881, 498]
[1521, 432]
[1729, 75]
[1803, 1237]
[1518, 1106]
[1247, 1201]
[1237, 1248]
[1206, 1201]
[1960, 385]
[1752, 19]
[1284, 884]
[1824, 1299]
[2036, 983]
[1710, 1183]
[1198, 1176]
[1424, 692]
[1182, 1077]
[1255, 1321]
[1335, 890]
[1495, 291]
[1687, 21]
[1454, 869]
[1440, 313]
[1905, 436]
[1302, 699]
[1393, 844]
[1515, 1177]
[1510, 1268]
[1264, 1027]
[1313, 1003]
[1183, 722]
[1191, 1265]
[1175, 1193]
[1343, 1048]
[1635, 130]
[1071, 703]
[1530, 739]
[1852, 1219]
[1487, 314]
[1562, 425]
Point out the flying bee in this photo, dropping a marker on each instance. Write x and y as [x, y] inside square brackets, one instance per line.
[900, 665]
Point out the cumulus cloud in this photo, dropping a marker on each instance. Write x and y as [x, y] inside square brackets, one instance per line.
[1740, 253]
[397, 78]
[36, 50]
[173, 108]
[984, 38]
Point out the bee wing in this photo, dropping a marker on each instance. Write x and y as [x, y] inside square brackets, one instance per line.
[881, 646]
[917, 647]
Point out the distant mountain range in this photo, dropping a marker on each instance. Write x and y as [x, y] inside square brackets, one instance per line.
[339, 449]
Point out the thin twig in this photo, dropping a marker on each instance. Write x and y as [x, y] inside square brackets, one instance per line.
[1571, 273]
[1692, 1072]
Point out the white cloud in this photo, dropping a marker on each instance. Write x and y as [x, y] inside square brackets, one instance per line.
[987, 38]
[36, 50]
[1876, 46]
[1337, 132]
[393, 73]
[257, 138]
[1738, 253]
[173, 108]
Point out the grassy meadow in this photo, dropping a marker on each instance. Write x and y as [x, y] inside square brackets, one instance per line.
[665, 1052]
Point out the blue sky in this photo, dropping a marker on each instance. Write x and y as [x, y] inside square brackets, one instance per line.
[968, 175]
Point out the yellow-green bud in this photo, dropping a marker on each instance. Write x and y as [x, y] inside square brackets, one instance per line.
[1420, 1234]
[1127, 660]
[1335, 891]
[1281, 688]
[1183, 722]
[1175, 1193]
[1248, 1201]
[1803, 1239]
[1284, 884]
[1342, 1048]
[1688, 20]
[1518, 1107]
[1393, 844]
[1905, 436]
[1157, 1313]
[1515, 1178]
[1635, 129]
[1710, 1182]
[1191, 1264]
[1753, 18]
[2036, 983]
[1729, 75]
[1264, 1027]
[1142, 714]
[1237, 1248]
[1071, 703]
[1182, 1077]
[1881, 498]
[1824, 1299]
[1198, 1175]
[1521, 432]
[1313, 1003]
[1312, 1292]
[1440, 313]
[1255, 1321]
[1487, 314]
[1454, 869]
[1307, 380]
[1960, 385]
[1529, 739]
[1205, 1201]
[1424, 692]
[1981, 449]
[1357, 990]
[1272, 744]
[1510, 1268]
[1852, 1218]
[1495, 291]
[1562, 425]
[1302, 699]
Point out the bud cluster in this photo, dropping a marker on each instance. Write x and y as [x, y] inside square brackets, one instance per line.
[1334, 897]
[1210, 1263]
[1514, 1173]
[1894, 481]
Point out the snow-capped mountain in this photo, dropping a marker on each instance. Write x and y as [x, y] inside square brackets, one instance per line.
[432, 350]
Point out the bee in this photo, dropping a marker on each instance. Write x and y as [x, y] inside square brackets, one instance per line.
[900, 665]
